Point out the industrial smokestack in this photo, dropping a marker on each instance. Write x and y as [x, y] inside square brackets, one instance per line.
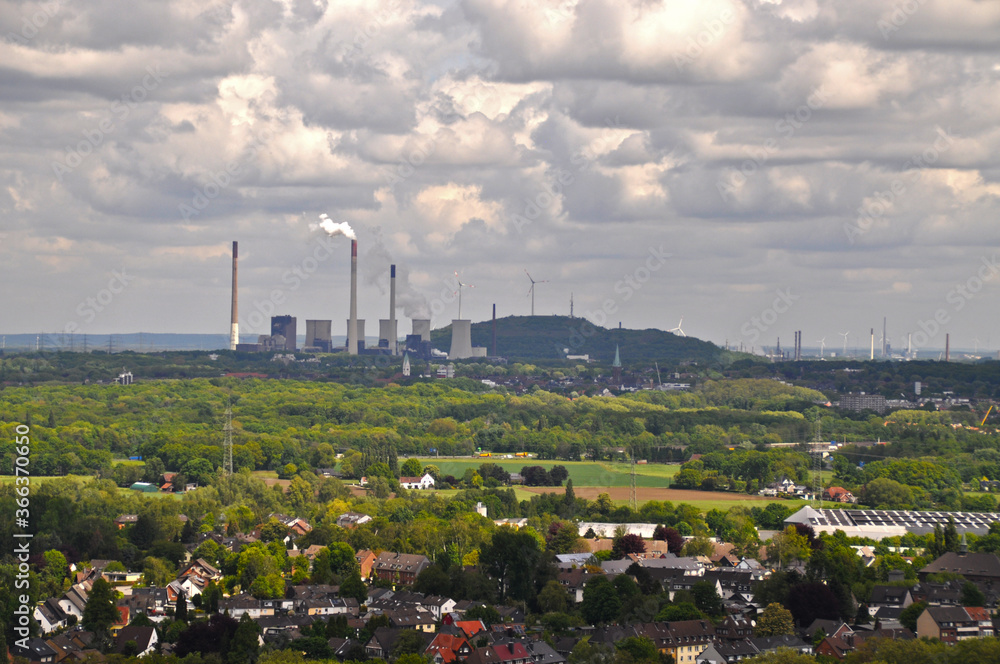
[871, 355]
[392, 311]
[947, 348]
[234, 325]
[352, 323]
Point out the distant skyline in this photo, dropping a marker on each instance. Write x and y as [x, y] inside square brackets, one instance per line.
[756, 167]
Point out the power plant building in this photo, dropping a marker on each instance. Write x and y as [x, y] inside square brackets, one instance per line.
[318, 336]
[284, 326]
[422, 326]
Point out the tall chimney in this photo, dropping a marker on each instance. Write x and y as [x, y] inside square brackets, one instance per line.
[392, 311]
[234, 325]
[871, 355]
[352, 323]
[947, 348]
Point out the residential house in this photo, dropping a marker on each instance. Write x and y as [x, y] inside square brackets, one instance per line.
[144, 638]
[37, 652]
[401, 568]
[419, 483]
[383, 642]
[543, 653]
[237, 605]
[982, 569]
[447, 648]
[297, 526]
[727, 652]
[126, 520]
[438, 606]
[948, 624]
[734, 628]
[505, 653]
[366, 562]
[73, 601]
[838, 494]
[893, 597]
[49, 616]
[773, 643]
[352, 519]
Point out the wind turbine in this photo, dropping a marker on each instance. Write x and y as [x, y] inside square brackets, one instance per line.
[531, 291]
[678, 330]
[822, 346]
[844, 334]
[460, 287]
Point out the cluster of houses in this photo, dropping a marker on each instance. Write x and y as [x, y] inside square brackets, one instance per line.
[449, 637]
[786, 487]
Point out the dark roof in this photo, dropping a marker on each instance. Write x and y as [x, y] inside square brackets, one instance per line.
[141, 635]
[763, 643]
[954, 614]
[968, 564]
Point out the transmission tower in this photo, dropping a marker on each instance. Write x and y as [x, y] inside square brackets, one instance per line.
[228, 446]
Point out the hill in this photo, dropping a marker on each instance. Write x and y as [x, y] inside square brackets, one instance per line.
[546, 337]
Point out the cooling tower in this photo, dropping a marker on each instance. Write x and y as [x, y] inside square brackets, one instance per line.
[387, 332]
[461, 339]
[234, 326]
[422, 326]
[352, 322]
[318, 334]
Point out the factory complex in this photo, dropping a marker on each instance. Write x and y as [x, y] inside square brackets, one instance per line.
[319, 333]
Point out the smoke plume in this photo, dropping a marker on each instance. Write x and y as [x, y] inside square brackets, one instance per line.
[334, 227]
[376, 272]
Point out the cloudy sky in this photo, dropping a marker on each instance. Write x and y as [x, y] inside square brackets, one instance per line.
[755, 166]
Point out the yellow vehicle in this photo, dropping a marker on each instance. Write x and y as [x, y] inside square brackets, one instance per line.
[485, 454]
[520, 454]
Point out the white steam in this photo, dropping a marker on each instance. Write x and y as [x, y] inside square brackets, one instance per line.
[334, 227]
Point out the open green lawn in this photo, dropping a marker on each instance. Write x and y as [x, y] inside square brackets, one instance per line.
[583, 473]
[9, 479]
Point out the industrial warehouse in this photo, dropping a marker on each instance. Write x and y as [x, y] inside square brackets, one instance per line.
[879, 524]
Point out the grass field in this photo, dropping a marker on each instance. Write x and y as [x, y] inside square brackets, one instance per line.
[35, 479]
[583, 473]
